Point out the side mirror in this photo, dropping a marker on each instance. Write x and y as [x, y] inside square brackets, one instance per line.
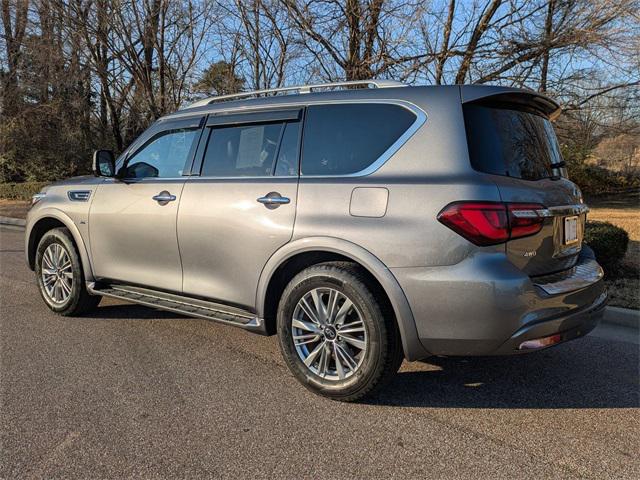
[104, 164]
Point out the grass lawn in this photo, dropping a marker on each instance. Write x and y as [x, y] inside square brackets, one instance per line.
[622, 210]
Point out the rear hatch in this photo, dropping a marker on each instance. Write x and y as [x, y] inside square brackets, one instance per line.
[511, 138]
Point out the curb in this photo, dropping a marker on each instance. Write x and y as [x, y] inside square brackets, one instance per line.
[623, 317]
[14, 222]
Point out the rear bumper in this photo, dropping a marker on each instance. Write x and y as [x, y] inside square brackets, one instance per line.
[486, 306]
[568, 327]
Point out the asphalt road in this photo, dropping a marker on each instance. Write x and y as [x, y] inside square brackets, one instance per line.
[132, 392]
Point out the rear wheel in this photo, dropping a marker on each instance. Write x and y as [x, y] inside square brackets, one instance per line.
[336, 338]
[59, 275]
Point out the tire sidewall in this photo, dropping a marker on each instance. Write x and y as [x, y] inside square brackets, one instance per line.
[60, 237]
[371, 315]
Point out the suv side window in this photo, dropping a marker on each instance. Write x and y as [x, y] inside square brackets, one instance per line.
[164, 156]
[258, 150]
[288, 155]
[341, 139]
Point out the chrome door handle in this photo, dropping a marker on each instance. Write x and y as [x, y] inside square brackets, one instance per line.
[273, 200]
[164, 197]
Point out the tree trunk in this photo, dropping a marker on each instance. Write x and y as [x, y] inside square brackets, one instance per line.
[14, 36]
[478, 31]
[444, 51]
[548, 29]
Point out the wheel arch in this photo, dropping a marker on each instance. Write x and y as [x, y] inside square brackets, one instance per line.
[47, 220]
[312, 250]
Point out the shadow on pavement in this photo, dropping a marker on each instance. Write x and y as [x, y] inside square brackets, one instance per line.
[587, 373]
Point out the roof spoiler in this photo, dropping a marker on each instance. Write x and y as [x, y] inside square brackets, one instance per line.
[527, 99]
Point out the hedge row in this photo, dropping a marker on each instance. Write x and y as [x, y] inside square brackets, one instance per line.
[609, 243]
[20, 191]
[594, 180]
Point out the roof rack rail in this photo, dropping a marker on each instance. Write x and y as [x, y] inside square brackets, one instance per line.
[299, 89]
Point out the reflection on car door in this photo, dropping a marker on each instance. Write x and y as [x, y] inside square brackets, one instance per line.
[132, 220]
[241, 208]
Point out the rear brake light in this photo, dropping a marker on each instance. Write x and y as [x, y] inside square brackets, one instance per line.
[482, 223]
[525, 219]
[491, 223]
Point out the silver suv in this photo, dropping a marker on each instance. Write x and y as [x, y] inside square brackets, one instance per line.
[363, 222]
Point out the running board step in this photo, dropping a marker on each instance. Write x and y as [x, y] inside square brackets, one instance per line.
[188, 306]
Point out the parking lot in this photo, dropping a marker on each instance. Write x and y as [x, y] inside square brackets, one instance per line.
[134, 392]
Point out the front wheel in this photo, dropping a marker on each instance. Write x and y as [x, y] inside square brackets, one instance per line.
[335, 337]
[59, 275]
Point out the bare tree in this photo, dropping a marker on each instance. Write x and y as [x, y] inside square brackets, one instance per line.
[103, 70]
[14, 23]
[355, 39]
[482, 25]
[262, 40]
[144, 55]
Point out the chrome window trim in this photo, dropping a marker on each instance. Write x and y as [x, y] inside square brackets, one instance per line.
[159, 128]
[421, 118]
[146, 180]
[194, 177]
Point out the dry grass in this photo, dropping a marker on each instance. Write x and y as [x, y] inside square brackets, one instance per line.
[623, 210]
[14, 208]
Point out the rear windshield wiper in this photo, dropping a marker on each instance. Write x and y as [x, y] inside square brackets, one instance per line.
[556, 166]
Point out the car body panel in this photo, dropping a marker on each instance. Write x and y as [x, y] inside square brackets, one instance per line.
[413, 349]
[405, 236]
[57, 205]
[226, 236]
[68, 222]
[544, 252]
[133, 237]
[473, 307]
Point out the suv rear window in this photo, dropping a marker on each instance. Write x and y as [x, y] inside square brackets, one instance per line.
[252, 150]
[347, 138]
[510, 142]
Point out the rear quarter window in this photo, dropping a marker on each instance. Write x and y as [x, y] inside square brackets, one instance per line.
[509, 142]
[342, 139]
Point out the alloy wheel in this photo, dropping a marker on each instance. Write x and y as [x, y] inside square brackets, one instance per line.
[57, 273]
[329, 333]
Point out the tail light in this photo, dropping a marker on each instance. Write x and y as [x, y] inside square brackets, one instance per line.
[491, 223]
[525, 219]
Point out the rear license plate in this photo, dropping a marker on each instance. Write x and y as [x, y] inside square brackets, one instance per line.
[570, 230]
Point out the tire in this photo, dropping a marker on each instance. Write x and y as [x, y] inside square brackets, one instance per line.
[366, 331]
[68, 296]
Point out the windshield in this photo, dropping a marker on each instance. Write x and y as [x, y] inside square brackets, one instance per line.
[510, 142]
